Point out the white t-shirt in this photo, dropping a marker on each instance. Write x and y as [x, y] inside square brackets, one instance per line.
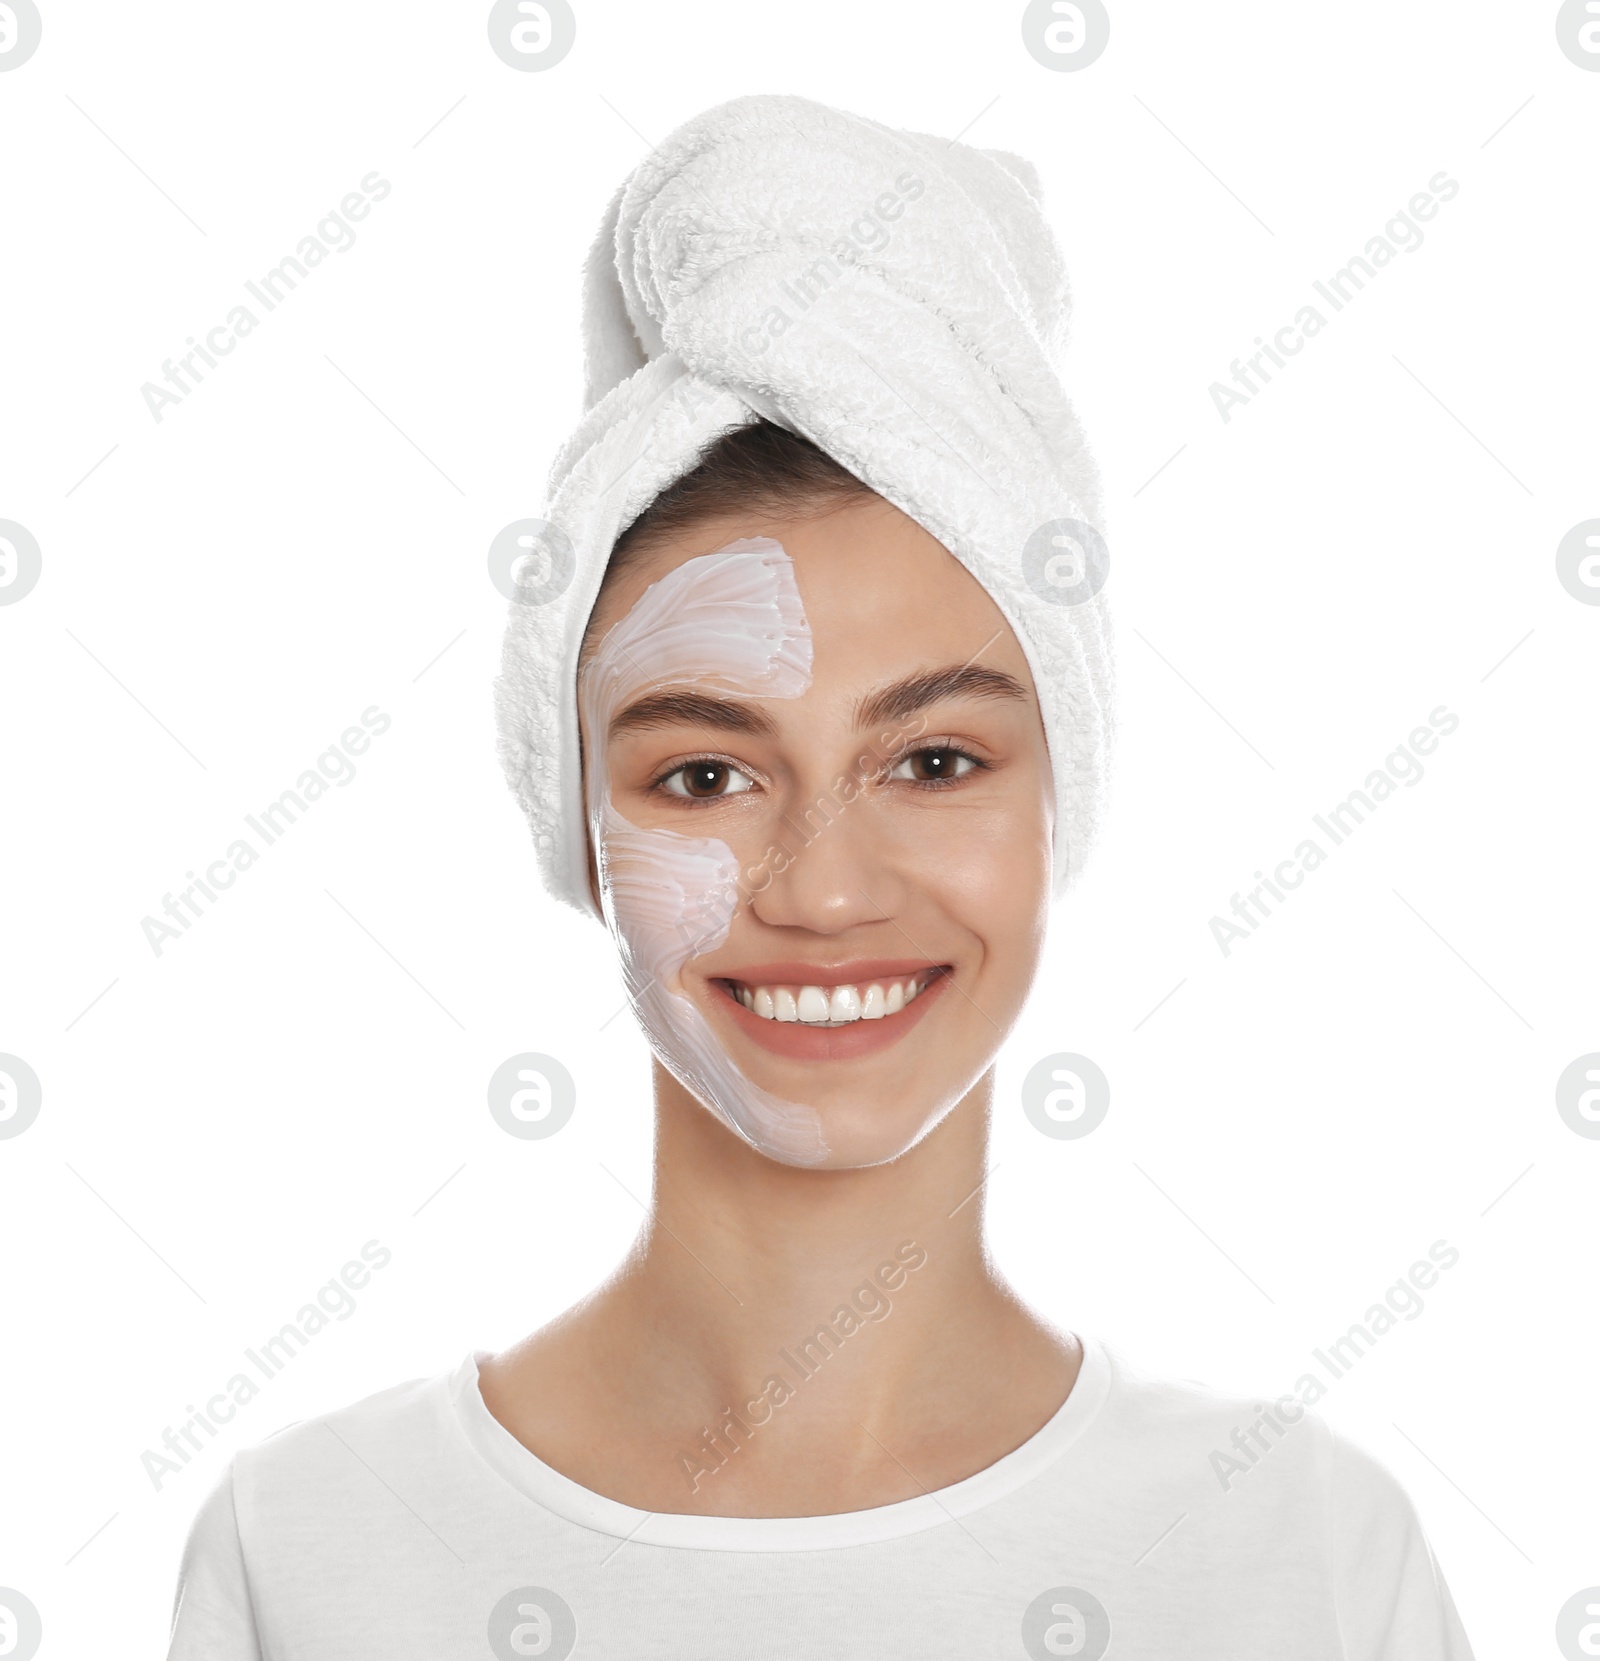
[413, 1526]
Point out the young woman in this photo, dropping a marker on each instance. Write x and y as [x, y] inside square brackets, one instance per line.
[810, 762]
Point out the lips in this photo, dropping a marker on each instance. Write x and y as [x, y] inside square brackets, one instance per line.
[796, 999]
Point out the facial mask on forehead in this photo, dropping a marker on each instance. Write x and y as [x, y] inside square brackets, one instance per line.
[733, 618]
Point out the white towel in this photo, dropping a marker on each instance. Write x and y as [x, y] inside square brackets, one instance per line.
[895, 297]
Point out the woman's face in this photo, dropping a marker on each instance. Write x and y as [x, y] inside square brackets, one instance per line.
[822, 783]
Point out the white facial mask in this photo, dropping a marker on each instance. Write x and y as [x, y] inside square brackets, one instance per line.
[733, 617]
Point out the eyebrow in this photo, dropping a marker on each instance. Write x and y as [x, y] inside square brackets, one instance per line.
[933, 686]
[888, 704]
[692, 709]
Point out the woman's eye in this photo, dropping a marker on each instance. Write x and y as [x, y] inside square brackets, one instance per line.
[706, 781]
[940, 762]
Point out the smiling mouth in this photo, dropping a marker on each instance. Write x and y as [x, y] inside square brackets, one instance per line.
[826, 1007]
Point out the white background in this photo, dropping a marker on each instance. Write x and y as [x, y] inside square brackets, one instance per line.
[223, 592]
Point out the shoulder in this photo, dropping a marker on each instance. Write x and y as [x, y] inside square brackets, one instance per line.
[392, 1428]
[212, 1618]
[1275, 1438]
[1266, 1478]
[321, 1473]
[1230, 1433]
[280, 1498]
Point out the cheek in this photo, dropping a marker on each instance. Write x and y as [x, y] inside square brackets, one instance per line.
[669, 897]
[745, 842]
[991, 870]
[994, 869]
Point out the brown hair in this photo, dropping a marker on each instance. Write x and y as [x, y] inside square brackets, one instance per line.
[760, 468]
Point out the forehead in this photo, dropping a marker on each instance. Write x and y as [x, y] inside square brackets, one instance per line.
[881, 595]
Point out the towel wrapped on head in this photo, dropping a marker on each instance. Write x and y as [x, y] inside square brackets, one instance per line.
[898, 299]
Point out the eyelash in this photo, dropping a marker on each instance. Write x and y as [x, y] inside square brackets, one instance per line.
[978, 765]
[672, 772]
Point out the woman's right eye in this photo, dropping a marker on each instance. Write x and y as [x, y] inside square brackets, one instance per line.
[704, 781]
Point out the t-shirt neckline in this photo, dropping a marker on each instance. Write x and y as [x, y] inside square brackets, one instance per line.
[531, 1476]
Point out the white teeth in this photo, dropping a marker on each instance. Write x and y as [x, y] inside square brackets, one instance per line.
[833, 1006]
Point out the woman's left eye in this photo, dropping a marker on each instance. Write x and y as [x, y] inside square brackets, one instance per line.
[703, 781]
[941, 761]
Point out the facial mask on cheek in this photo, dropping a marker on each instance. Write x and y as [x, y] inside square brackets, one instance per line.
[733, 617]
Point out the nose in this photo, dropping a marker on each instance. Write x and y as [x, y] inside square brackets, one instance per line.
[839, 868]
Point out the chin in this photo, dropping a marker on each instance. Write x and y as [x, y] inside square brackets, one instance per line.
[863, 1133]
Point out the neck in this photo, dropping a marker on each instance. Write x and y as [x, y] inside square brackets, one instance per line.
[866, 1292]
[843, 1331]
